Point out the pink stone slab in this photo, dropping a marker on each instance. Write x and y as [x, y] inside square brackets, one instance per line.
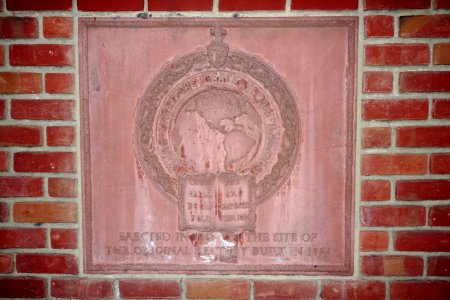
[199, 160]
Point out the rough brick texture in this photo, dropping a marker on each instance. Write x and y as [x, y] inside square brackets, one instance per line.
[403, 109]
[41, 55]
[439, 216]
[393, 164]
[373, 240]
[353, 290]
[426, 136]
[425, 26]
[325, 5]
[59, 83]
[285, 290]
[22, 287]
[18, 27]
[63, 238]
[150, 289]
[20, 83]
[377, 82]
[45, 212]
[4, 212]
[217, 289]
[440, 163]
[22, 238]
[379, 137]
[231, 5]
[38, 5]
[46, 263]
[439, 266]
[375, 190]
[420, 290]
[379, 26]
[6, 263]
[424, 81]
[397, 4]
[441, 108]
[44, 162]
[20, 135]
[62, 187]
[393, 216]
[431, 241]
[81, 288]
[392, 265]
[441, 54]
[21, 187]
[110, 5]
[416, 190]
[182, 5]
[60, 135]
[58, 27]
[397, 54]
[42, 109]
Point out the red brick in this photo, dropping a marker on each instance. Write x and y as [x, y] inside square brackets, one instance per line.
[439, 216]
[20, 83]
[377, 137]
[394, 164]
[377, 82]
[441, 54]
[425, 136]
[110, 5]
[81, 288]
[59, 83]
[6, 263]
[285, 290]
[39, 5]
[45, 212]
[16, 27]
[404, 109]
[373, 240]
[2, 55]
[3, 161]
[4, 212]
[58, 27]
[393, 216]
[324, 5]
[420, 290]
[397, 4]
[46, 263]
[41, 55]
[378, 26]
[22, 238]
[414, 190]
[424, 81]
[425, 26]
[375, 190]
[149, 289]
[63, 238]
[60, 135]
[397, 54]
[439, 266]
[22, 287]
[217, 289]
[442, 4]
[431, 241]
[239, 5]
[440, 163]
[2, 109]
[353, 290]
[44, 162]
[21, 187]
[180, 5]
[42, 109]
[441, 109]
[391, 265]
[20, 135]
[62, 187]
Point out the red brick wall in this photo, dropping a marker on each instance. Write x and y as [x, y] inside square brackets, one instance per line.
[403, 155]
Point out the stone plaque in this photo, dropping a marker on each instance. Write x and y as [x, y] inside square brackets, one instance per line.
[218, 145]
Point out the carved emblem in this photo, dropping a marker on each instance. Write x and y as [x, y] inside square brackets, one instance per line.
[217, 132]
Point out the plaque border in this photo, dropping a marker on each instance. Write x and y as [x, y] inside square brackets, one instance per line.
[350, 23]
